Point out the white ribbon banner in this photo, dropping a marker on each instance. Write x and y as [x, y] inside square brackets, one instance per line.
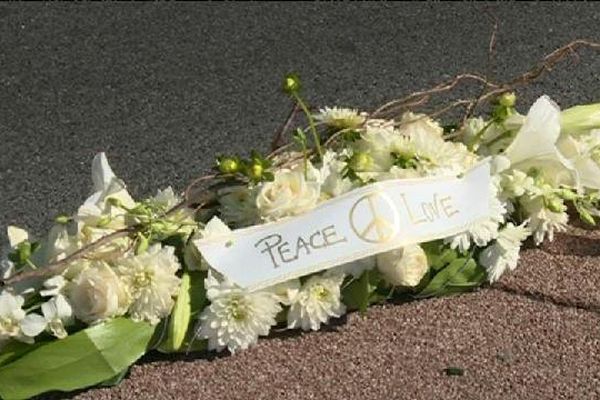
[375, 218]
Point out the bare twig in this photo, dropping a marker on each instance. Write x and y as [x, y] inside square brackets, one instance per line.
[60, 265]
[278, 140]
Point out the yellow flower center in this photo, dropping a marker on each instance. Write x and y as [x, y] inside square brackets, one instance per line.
[143, 279]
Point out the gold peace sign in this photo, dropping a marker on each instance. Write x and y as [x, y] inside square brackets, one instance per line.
[380, 227]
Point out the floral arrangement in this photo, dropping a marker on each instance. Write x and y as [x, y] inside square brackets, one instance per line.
[120, 277]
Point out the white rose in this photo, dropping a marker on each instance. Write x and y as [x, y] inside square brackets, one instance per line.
[290, 193]
[97, 293]
[403, 267]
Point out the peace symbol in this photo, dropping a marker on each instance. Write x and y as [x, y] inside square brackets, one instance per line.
[381, 218]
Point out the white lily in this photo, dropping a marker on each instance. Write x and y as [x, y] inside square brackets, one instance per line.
[535, 145]
[106, 185]
[579, 149]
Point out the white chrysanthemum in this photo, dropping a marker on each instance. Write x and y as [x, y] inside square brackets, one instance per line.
[340, 118]
[543, 222]
[403, 267]
[415, 124]
[238, 205]
[484, 231]
[152, 282]
[290, 193]
[422, 153]
[235, 318]
[318, 300]
[504, 253]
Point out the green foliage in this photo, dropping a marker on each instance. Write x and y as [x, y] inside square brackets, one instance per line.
[86, 358]
[368, 289]
[190, 301]
[462, 274]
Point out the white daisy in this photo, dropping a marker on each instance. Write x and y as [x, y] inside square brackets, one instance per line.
[504, 253]
[152, 282]
[235, 318]
[481, 232]
[543, 222]
[318, 300]
[340, 118]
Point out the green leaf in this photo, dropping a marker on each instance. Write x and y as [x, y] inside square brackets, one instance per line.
[460, 275]
[14, 350]
[361, 292]
[115, 380]
[190, 302]
[83, 359]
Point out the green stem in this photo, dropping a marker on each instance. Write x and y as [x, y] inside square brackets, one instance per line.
[311, 123]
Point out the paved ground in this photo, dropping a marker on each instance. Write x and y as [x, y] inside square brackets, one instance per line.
[162, 88]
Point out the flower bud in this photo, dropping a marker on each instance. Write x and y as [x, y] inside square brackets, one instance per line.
[255, 171]
[554, 204]
[586, 217]
[228, 165]
[291, 83]
[580, 119]
[360, 161]
[62, 219]
[507, 99]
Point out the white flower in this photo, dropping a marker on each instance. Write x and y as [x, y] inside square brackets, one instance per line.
[215, 228]
[543, 222]
[16, 236]
[57, 313]
[290, 193]
[235, 318]
[582, 151]
[483, 231]
[332, 181]
[152, 282]
[285, 292]
[354, 268]
[317, 301]
[181, 220]
[420, 152]
[504, 253]
[11, 316]
[97, 294]
[340, 118]
[53, 286]
[517, 183]
[418, 124]
[238, 205]
[535, 145]
[403, 267]
[97, 209]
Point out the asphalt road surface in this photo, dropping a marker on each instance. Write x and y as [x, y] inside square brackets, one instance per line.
[163, 88]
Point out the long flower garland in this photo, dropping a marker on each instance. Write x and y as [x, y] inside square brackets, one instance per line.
[124, 270]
